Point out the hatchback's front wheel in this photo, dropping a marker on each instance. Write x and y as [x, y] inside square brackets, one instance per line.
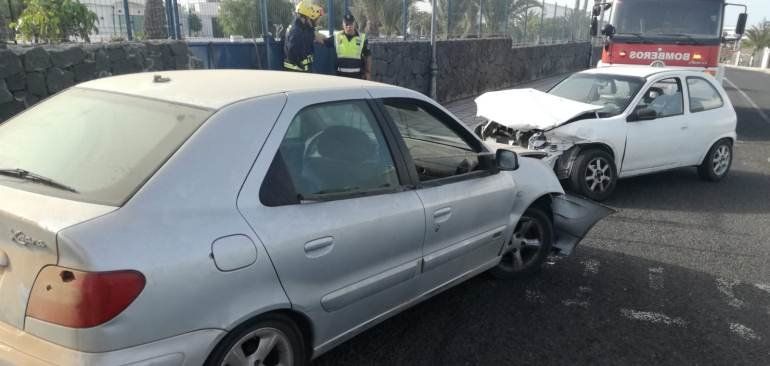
[594, 175]
[273, 340]
[531, 243]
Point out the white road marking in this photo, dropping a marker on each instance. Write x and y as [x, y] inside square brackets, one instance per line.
[744, 332]
[763, 286]
[576, 302]
[591, 267]
[649, 316]
[746, 96]
[725, 286]
[656, 278]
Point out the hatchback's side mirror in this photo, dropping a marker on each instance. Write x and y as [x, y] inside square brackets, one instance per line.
[741, 26]
[642, 114]
[596, 10]
[594, 26]
[507, 160]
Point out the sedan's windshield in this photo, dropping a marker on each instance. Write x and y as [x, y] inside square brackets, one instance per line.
[667, 17]
[100, 146]
[612, 92]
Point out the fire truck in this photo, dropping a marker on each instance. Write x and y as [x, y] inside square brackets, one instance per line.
[679, 33]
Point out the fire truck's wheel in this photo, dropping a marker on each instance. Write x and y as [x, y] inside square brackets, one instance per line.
[594, 175]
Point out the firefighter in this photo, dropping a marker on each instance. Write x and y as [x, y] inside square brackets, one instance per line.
[298, 45]
[353, 55]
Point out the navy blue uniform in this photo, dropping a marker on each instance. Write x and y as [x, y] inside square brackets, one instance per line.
[298, 46]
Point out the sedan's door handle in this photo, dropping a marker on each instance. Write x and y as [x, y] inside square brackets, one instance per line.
[442, 215]
[319, 247]
[684, 127]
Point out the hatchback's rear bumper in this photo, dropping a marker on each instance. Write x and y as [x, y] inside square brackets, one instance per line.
[21, 348]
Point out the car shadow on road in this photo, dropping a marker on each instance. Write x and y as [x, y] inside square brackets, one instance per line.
[595, 308]
[682, 190]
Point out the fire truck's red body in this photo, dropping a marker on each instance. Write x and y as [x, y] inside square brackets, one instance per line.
[681, 33]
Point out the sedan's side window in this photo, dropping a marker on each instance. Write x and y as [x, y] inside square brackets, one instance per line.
[437, 149]
[703, 95]
[665, 98]
[330, 151]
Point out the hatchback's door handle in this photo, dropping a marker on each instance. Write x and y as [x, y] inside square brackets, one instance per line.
[684, 127]
[318, 247]
[442, 215]
[3, 259]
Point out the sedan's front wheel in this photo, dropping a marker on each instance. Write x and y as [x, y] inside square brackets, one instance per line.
[530, 246]
[273, 340]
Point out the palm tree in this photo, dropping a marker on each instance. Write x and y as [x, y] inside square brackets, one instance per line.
[757, 37]
[155, 20]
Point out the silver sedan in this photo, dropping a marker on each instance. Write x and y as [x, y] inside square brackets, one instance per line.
[250, 218]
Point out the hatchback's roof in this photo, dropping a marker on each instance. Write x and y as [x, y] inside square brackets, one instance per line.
[638, 71]
[218, 88]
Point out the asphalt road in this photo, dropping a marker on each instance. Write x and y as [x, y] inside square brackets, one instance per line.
[679, 276]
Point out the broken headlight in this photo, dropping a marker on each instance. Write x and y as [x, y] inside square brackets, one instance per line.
[538, 141]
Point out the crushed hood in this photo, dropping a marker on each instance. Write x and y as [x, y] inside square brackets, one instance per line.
[529, 109]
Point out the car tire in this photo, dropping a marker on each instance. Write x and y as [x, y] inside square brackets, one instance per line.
[530, 246]
[717, 162]
[284, 344]
[594, 175]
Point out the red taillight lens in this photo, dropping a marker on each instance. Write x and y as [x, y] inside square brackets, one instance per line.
[78, 299]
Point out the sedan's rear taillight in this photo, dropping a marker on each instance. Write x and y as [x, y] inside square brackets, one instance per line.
[79, 299]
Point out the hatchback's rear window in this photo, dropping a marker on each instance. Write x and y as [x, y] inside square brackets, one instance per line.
[103, 145]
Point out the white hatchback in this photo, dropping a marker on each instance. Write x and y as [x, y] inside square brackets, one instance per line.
[599, 125]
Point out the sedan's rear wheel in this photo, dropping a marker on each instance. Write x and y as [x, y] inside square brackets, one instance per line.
[717, 162]
[531, 243]
[273, 340]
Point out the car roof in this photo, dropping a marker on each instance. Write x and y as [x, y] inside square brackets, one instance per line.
[215, 89]
[638, 71]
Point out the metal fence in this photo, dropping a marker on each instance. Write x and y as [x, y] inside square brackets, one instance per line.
[523, 21]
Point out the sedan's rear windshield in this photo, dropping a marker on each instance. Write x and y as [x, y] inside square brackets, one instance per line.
[102, 145]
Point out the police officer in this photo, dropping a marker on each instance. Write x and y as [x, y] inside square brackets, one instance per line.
[353, 55]
[298, 45]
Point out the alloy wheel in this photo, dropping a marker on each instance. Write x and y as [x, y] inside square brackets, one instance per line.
[262, 347]
[598, 175]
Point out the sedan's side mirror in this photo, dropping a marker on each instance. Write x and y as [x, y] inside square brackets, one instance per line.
[507, 160]
[642, 114]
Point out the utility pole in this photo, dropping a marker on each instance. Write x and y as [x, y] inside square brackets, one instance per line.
[126, 10]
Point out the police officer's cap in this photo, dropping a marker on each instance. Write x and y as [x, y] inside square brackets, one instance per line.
[349, 18]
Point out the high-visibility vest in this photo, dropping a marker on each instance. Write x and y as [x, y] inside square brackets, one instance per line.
[349, 52]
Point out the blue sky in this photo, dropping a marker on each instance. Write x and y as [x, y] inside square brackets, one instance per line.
[758, 9]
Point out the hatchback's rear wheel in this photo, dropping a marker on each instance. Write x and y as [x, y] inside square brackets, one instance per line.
[531, 243]
[272, 340]
[717, 162]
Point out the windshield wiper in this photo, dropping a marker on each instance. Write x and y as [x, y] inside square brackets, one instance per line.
[689, 38]
[35, 178]
[638, 35]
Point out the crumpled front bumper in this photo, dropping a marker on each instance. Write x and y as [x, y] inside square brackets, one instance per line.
[573, 218]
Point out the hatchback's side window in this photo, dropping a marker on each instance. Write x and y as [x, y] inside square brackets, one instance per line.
[703, 95]
[330, 151]
[437, 150]
[665, 97]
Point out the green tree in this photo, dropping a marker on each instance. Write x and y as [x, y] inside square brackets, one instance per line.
[55, 21]
[243, 17]
[155, 20]
[419, 22]
[194, 23]
[757, 37]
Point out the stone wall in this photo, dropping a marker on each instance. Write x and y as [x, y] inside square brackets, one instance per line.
[404, 64]
[29, 74]
[470, 67]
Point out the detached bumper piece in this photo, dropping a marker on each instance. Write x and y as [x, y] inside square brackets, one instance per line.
[573, 218]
